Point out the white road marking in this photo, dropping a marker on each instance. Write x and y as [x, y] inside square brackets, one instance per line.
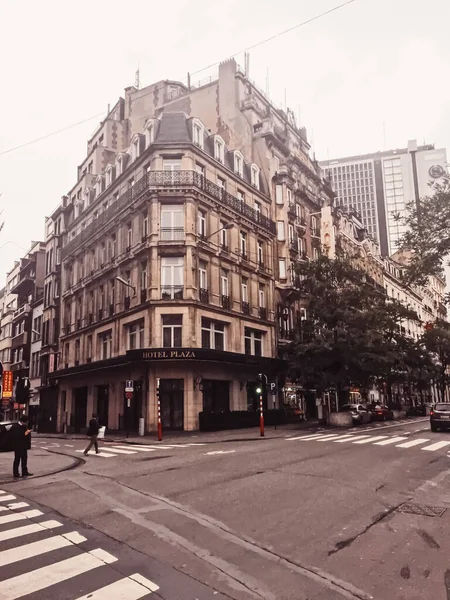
[148, 446]
[69, 445]
[220, 452]
[28, 514]
[145, 582]
[6, 498]
[139, 449]
[16, 505]
[370, 439]
[391, 441]
[349, 438]
[325, 438]
[115, 451]
[39, 579]
[436, 446]
[129, 588]
[413, 443]
[4, 508]
[305, 437]
[11, 534]
[8, 557]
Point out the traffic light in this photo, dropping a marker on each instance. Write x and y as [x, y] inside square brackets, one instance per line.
[259, 390]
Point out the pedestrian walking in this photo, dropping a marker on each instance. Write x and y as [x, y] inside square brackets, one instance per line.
[21, 443]
[92, 432]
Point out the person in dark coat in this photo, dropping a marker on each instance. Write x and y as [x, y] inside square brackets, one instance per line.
[21, 443]
[92, 432]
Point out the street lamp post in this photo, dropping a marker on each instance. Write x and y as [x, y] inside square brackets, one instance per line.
[125, 283]
[225, 227]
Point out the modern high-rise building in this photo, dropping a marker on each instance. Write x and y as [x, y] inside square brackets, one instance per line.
[380, 186]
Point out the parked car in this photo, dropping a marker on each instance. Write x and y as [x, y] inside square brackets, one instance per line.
[5, 438]
[359, 413]
[440, 416]
[417, 411]
[380, 412]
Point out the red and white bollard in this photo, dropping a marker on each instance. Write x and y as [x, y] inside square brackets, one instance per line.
[261, 416]
[160, 434]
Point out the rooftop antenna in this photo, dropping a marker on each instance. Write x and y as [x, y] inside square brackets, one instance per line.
[137, 81]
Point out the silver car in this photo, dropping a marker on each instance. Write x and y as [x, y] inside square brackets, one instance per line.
[359, 413]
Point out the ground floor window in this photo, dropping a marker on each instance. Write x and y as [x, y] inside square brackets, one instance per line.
[216, 395]
[213, 334]
[253, 341]
[171, 331]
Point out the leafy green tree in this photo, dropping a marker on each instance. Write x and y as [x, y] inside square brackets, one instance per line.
[427, 234]
[352, 335]
[437, 341]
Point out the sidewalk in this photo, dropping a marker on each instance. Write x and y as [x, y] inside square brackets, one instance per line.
[234, 435]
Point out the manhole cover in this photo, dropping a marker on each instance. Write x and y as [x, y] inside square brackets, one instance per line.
[422, 509]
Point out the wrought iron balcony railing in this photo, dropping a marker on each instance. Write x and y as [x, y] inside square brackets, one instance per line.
[204, 295]
[167, 179]
[171, 234]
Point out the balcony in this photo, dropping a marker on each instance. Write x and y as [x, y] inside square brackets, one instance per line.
[127, 302]
[315, 232]
[178, 180]
[20, 340]
[293, 245]
[111, 310]
[226, 302]
[143, 296]
[224, 248]
[172, 292]
[100, 314]
[23, 310]
[90, 318]
[203, 296]
[245, 308]
[25, 284]
[171, 234]
[263, 313]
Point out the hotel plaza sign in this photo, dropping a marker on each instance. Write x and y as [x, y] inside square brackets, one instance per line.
[171, 354]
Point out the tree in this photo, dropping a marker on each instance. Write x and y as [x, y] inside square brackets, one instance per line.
[352, 336]
[437, 341]
[427, 234]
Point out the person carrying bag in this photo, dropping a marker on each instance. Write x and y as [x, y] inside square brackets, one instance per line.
[92, 432]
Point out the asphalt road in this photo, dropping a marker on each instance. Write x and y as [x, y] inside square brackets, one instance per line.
[354, 514]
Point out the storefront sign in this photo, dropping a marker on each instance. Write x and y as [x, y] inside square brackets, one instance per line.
[161, 354]
[7, 384]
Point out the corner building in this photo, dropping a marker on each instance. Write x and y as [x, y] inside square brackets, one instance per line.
[166, 275]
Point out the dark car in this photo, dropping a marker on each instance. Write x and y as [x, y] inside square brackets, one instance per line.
[5, 437]
[380, 412]
[440, 416]
[417, 411]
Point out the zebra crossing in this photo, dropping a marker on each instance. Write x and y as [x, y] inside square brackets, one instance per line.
[33, 559]
[396, 441]
[114, 450]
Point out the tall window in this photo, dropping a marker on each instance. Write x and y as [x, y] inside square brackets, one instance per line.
[172, 331]
[257, 207]
[254, 171]
[243, 244]
[172, 222]
[203, 275]
[262, 296]
[260, 253]
[200, 169]
[113, 245]
[244, 289]
[104, 258]
[313, 225]
[282, 268]
[129, 235]
[89, 348]
[219, 149]
[149, 130]
[144, 276]
[198, 134]
[279, 194]
[240, 195]
[224, 287]
[223, 236]
[213, 334]
[172, 164]
[221, 182]
[201, 224]
[77, 351]
[253, 342]
[172, 277]
[239, 164]
[280, 231]
[144, 226]
[105, 344]
[135, 335]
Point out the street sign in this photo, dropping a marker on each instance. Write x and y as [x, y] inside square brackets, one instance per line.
[129, 386]
[7, 384]
[273, 388]
[128, 395]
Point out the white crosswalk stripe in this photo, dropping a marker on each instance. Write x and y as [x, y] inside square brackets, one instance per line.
[56, 568]
[398, 441]
[113, 450]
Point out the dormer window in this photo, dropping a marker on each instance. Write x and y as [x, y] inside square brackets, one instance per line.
[99, 185]
[238, 163]
[109, 175]
[119, 165]
[135, 148]
[254, 173]
[87, 197]
[219, 149]
[197, 132]
[149, 133]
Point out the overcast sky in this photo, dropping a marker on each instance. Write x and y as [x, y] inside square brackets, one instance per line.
[370, 75]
